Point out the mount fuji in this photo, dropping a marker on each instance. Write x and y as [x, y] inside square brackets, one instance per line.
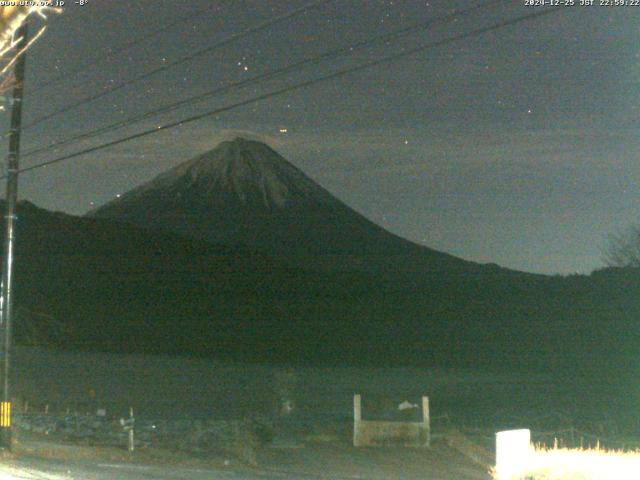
[244, 193]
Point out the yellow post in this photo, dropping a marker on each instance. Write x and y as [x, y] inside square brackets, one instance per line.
[5, 414]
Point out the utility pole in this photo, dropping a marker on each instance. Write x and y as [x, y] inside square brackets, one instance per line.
[13, 165]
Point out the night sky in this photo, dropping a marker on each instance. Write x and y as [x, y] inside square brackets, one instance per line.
[518, 147]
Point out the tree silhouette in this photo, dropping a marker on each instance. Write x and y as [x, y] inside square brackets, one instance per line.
[624, 249]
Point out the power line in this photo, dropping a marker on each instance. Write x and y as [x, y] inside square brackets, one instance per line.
[110, 53]
[266, 76]
[299, 86]
[262, 26]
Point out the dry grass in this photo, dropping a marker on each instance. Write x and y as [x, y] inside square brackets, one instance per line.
[580, 464]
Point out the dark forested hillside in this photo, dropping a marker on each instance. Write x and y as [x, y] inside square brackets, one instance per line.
[94, 284]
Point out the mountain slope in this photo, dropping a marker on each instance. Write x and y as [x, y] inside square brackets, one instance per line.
[96, 284]
[243, 192]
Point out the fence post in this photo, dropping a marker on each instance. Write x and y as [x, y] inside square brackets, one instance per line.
[128, 426]
[357, 418]
[131, 432]
[425, 420]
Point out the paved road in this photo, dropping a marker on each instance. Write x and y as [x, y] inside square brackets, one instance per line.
[39, 469]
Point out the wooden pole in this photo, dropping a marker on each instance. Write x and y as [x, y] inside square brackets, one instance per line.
[13, 166]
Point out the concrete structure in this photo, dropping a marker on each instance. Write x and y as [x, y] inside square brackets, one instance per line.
[375, 433]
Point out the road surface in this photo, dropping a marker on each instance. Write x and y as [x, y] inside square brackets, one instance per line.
[42, 469]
